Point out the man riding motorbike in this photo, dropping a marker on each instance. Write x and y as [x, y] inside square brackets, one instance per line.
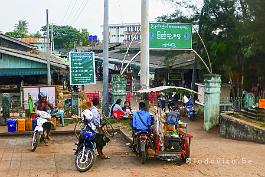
[141, 122]
[43, 105]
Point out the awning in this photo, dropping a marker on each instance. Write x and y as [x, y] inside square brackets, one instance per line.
[163, 88]
[23, 72]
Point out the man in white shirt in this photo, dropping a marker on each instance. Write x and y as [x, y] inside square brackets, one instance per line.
[100, 143]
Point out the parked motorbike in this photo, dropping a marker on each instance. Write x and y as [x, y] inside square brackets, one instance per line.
[85, 151]
[43, 120]
[188, 104]
[172, 106]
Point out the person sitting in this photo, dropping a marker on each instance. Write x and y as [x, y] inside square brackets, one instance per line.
[43, 105]
[97, 121]
[142, 122]
[127, 108]
[116, 110]
[87, 117]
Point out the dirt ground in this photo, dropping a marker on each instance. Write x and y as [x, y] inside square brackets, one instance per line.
[211, 155]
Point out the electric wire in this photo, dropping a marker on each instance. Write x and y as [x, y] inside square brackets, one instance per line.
[71, 11]
[76, 18]
[67, 10]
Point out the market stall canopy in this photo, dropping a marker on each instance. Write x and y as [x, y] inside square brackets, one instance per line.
[163, 88]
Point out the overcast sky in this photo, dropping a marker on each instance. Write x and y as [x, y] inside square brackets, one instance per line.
[78, 13]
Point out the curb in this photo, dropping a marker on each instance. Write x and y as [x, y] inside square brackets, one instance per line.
[126, 136]
[69, 132]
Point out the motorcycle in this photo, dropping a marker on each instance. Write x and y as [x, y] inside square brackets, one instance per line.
[143, 145]
[188, 104]
[172, 106]
[39, 133]
[85, 151]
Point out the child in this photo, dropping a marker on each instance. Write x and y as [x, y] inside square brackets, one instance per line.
[127, 108]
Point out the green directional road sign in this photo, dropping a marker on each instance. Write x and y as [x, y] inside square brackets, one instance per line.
[82, 68]
[170, 36]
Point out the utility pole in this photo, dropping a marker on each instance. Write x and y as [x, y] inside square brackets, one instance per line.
[52, 40]
[144, 71]
[105, 103]
[48, 50]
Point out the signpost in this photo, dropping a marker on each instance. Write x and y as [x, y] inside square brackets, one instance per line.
[170, 36]
[93, 38]
[82, 68]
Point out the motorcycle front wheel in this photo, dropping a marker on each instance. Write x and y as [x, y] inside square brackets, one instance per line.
[143, 157]
[85, 159]
[35, 141]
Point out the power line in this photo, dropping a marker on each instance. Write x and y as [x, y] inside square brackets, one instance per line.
[72, 10]
[80, 11]
[68, 8]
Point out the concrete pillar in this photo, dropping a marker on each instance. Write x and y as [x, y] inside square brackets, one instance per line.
[212, 90]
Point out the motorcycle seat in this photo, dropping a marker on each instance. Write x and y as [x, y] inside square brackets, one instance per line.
[141, 132]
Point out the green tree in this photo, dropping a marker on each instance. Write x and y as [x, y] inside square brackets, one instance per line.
[36, 35]
[84, 40]
[233, 31]
[65, 36]
[11, 34]
[21, 28]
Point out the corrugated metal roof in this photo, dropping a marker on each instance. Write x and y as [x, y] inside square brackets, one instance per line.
[15, 40]
[35, 56]
[32, 40]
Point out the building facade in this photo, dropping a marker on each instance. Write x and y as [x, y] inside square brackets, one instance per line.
[124, 33]
[39, 43]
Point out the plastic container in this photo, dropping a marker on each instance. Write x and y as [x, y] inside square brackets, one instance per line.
[11, 125]
[54, 123]
[32, 116]
[21, 125]
[170, 127]
[34, 124]
[28, 125]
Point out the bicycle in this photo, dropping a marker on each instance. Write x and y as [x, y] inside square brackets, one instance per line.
[106, 126]
[79, 125]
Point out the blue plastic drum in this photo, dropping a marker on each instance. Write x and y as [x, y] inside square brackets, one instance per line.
[11, 125]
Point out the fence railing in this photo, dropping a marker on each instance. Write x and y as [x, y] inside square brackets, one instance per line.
[231, 104]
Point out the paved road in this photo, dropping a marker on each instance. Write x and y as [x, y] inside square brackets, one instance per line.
[211, 156]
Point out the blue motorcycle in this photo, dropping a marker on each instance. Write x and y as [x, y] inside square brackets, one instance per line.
[85, 151]
[190, 109]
